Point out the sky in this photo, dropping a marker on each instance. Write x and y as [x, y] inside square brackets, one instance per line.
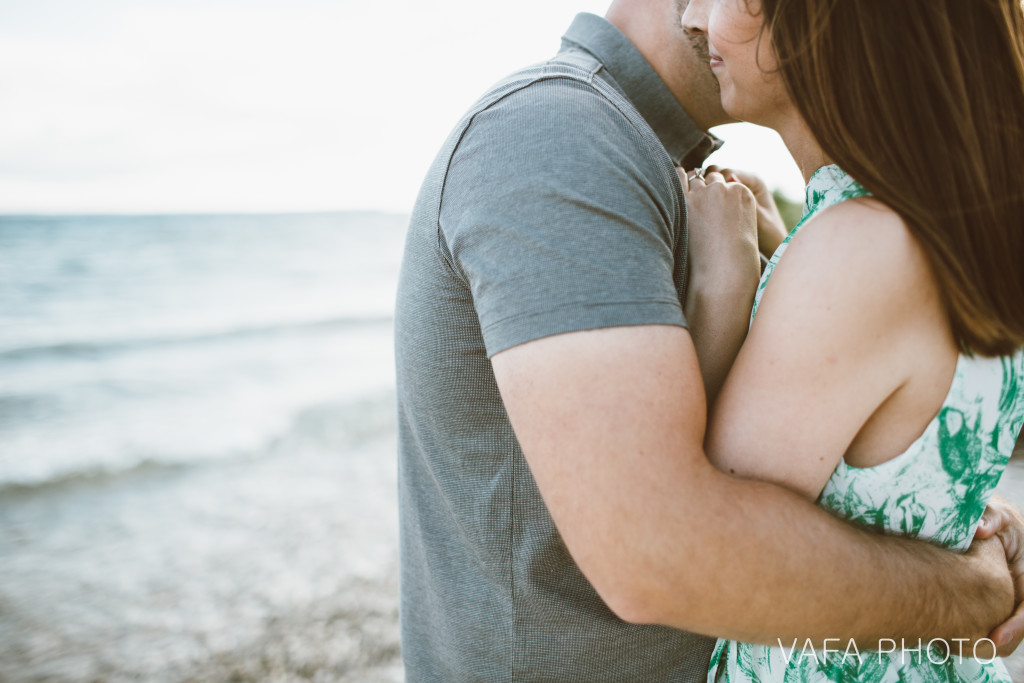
[182, 106]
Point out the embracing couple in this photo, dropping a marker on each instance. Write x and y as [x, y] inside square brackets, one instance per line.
[619, 440]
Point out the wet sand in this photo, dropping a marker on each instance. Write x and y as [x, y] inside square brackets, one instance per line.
[351, 637]
[276, 569]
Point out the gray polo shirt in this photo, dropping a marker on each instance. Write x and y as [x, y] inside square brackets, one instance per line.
[553, 207]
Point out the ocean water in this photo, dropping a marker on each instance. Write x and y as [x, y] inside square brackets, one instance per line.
[197, 447]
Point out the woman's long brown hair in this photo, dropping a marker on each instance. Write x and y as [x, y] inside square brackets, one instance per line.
[922, 102]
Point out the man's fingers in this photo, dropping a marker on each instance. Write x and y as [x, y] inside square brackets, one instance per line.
[991, 522]
[1008, 635]
[1000, 516]
[982, 649]
[995, 519]
[1003, 520]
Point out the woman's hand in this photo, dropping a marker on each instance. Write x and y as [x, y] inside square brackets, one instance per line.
[771, 229]
[722, 222]
[724, 270]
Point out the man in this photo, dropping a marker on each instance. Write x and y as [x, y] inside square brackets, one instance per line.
[554, 493]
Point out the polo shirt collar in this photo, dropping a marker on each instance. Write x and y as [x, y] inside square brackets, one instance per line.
[686, 144]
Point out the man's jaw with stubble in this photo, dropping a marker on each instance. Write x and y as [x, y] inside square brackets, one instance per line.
[695, 84]
[698, 43]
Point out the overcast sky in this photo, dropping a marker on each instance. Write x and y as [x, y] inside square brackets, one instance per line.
[261, 105]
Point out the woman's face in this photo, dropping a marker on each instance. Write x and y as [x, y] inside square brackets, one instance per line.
[741, 59]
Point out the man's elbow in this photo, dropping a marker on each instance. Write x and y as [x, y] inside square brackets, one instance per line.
[661, 578]
[634, 609]
[646, 601]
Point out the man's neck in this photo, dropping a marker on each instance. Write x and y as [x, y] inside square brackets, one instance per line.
[682, 64]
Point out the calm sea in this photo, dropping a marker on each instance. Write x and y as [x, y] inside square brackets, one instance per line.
[196, 436]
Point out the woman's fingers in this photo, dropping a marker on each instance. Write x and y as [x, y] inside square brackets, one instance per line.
[702, 178]
[710, 178]
[727, 173]
[690, 178]
[706, 176]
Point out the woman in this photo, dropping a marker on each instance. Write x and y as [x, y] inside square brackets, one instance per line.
[882, 374]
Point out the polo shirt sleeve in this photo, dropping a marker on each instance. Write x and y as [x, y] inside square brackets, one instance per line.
[558, 213]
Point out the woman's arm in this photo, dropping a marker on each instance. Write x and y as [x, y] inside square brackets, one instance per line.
[724, 269]
[834, 337]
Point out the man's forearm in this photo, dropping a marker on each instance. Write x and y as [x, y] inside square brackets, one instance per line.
[767, 564]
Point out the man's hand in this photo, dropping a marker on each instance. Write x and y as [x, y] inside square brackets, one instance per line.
[1005, 521]
[771, 229]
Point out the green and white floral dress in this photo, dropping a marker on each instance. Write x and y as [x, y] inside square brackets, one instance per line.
[936, 490]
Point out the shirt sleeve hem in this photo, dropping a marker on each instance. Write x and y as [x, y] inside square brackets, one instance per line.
[510, 332]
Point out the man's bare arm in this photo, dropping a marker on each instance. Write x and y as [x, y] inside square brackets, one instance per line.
[612, 422]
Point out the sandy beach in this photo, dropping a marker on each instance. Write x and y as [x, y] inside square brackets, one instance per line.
[269, 570]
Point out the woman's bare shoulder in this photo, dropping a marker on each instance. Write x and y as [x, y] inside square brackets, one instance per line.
[863, 250]
[841, 310]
